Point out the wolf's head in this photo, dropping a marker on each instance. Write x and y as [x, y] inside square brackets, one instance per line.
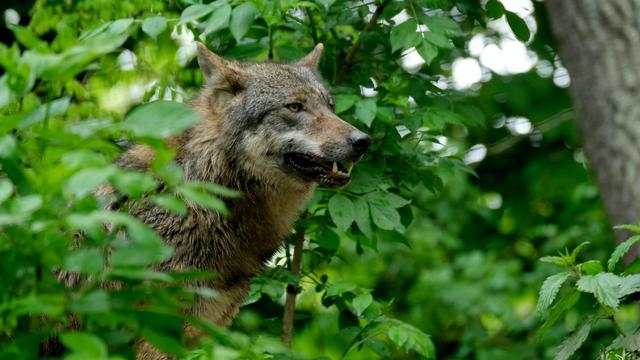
[278, 120]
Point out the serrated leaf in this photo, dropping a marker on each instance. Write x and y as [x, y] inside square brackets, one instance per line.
[404, 35]
[573, 342]
[620, 251]
[411, 338]
[154, 26]
[160, 119]
[629, 285]
[604, 286]
[549, 290]
[567, 302]
[341, 211]
[362, 217]
[218, 20]
[518, 26]
[241, 19]
[366, 111]
[195, 12]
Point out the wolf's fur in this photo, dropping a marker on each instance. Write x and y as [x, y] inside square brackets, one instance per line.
[245, 131]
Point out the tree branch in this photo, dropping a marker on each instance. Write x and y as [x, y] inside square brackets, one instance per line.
[348, 61]
[292, 290]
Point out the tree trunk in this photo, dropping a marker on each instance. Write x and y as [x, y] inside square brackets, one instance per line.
[599, 43]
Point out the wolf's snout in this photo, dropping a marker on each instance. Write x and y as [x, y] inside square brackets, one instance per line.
[360, 142]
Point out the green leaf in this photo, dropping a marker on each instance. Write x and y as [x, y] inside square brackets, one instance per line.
[54, 108]
[94, 302]
[119, 26]
[471, 115]
[386, 115]
[574, 342]
[154, 26]
[164, 342]
[342, 211]
[84, 181]
[427, 51]
[344, 102]
[203, 198]
[362, 217]
[134, 184]
[557, 260]
[442, 24]
[87, 261]
[575, 252]
[549, 290]
[387, 199]
[620, 251]
[361, 302]
[171, 203]
[84, 344]
[495, 9]
[339, 287]
[591, 267]
[241, 19]
[405, 35]
[194, 12]
[386, 218]
[366, 111]
[518, 25]
[604, 286]
[6, 189]
[438, 39]
[411, 338]
[629, 285]
[218, 20]
[566, 303]
[160, 119]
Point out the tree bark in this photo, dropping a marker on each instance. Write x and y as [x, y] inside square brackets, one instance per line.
[599, 43]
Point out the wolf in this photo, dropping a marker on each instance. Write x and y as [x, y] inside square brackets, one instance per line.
[269, 131]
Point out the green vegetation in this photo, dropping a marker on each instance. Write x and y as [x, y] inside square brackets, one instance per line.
[421, 256]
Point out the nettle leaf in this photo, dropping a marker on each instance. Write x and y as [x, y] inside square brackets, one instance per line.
[518, 25]
[604, 286]
[409, 337]
[620, 251]
[154, 26]
[629, 285]
[195, 12]
[160, 119]
[405, 35]
[549, 290]
[218, 20]
[566, 303]
[241, 19]
[342, 211]
[366, 111]
[574, 342]
[362, 217]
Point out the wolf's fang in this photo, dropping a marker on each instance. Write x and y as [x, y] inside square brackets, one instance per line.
[335, 167]
[349, 168]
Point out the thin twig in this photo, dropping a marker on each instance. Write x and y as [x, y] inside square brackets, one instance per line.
[348, 61]
[292, 290]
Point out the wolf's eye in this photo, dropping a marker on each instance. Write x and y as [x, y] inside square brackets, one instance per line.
[295, 107]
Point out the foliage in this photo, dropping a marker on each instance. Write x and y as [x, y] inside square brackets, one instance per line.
[607, 288]
[419, 243]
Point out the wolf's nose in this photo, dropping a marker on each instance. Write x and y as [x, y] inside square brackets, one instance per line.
[360, 142]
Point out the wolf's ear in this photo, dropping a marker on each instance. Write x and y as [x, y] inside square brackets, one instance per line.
[313, 58]
[224, 74]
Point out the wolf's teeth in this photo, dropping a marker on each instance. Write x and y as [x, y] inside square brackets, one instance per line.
[335, 167]
[349, 168]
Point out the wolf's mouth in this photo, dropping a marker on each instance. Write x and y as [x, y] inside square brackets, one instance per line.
[321, 170]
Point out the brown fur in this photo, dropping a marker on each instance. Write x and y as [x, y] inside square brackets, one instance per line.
[243, 111]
